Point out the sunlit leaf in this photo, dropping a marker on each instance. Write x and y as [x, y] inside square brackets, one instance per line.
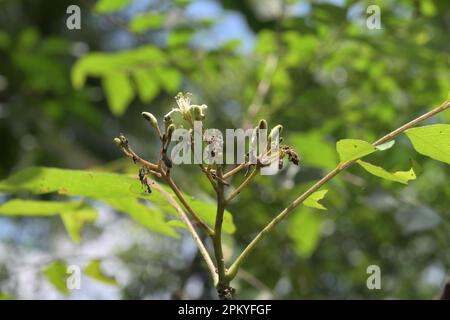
[304, 230]
[73, 214]
[151, 218]
[40, 180]
[386, 145]
[119, 92]
[114, 189]
[179, 37]
[74, 220]
[19, 207]
[56, 274]
[101, 64]
[147, 85]
[399, 176]
[143, 22]
[94, 270]
[351, 149]
[119, 191]
[313, 200]
[207, 211]
[169, 78]
[432, 141]
[108, 6]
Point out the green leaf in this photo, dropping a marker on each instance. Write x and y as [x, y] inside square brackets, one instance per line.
[266, 42]
[100, 64]
[143, 22]
[73, 214]
[313, 200]
[315, 150]
[151, 218]
[304, 230]
[177, 224]
[41, 180]
[5, 296]
[170, 79]
[74, 221]
[119, 92]
[432, 141]
[108, 6]
[386, 145]
[351, 149]
[207, 211]
[147, 85]
[117, 190]
[56, 274]
[93, 269]
[18, 207]
[179, 37]
[399, 176]
[94, 64]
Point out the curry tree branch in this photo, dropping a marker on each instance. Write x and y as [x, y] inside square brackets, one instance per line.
[201, 247]
[340, 167]
[157, 170]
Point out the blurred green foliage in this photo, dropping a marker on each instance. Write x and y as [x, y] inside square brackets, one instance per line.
[65, 93]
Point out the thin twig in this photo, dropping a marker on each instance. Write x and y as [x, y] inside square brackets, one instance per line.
[340, 167]
[131, 154]
[191, 211]
[201, 247]
[238, 190]
[235, 170]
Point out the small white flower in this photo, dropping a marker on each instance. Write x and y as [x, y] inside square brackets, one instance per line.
[184, 101]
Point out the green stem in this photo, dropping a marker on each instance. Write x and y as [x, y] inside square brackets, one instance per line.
[235, 170]
[238, 190]
[217, 240]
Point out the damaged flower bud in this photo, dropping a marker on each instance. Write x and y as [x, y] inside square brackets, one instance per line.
[290, 152]
[198, 112]
[277, 130]
[169, 132]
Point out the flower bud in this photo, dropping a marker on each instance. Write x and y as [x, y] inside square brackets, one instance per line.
[169, 132]
[262, 124]
[150, 118]
[118, 142]
[197, 112]
[276, 131]
[167, 121]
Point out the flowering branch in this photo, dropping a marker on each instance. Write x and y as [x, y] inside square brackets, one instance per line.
[340, 167]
